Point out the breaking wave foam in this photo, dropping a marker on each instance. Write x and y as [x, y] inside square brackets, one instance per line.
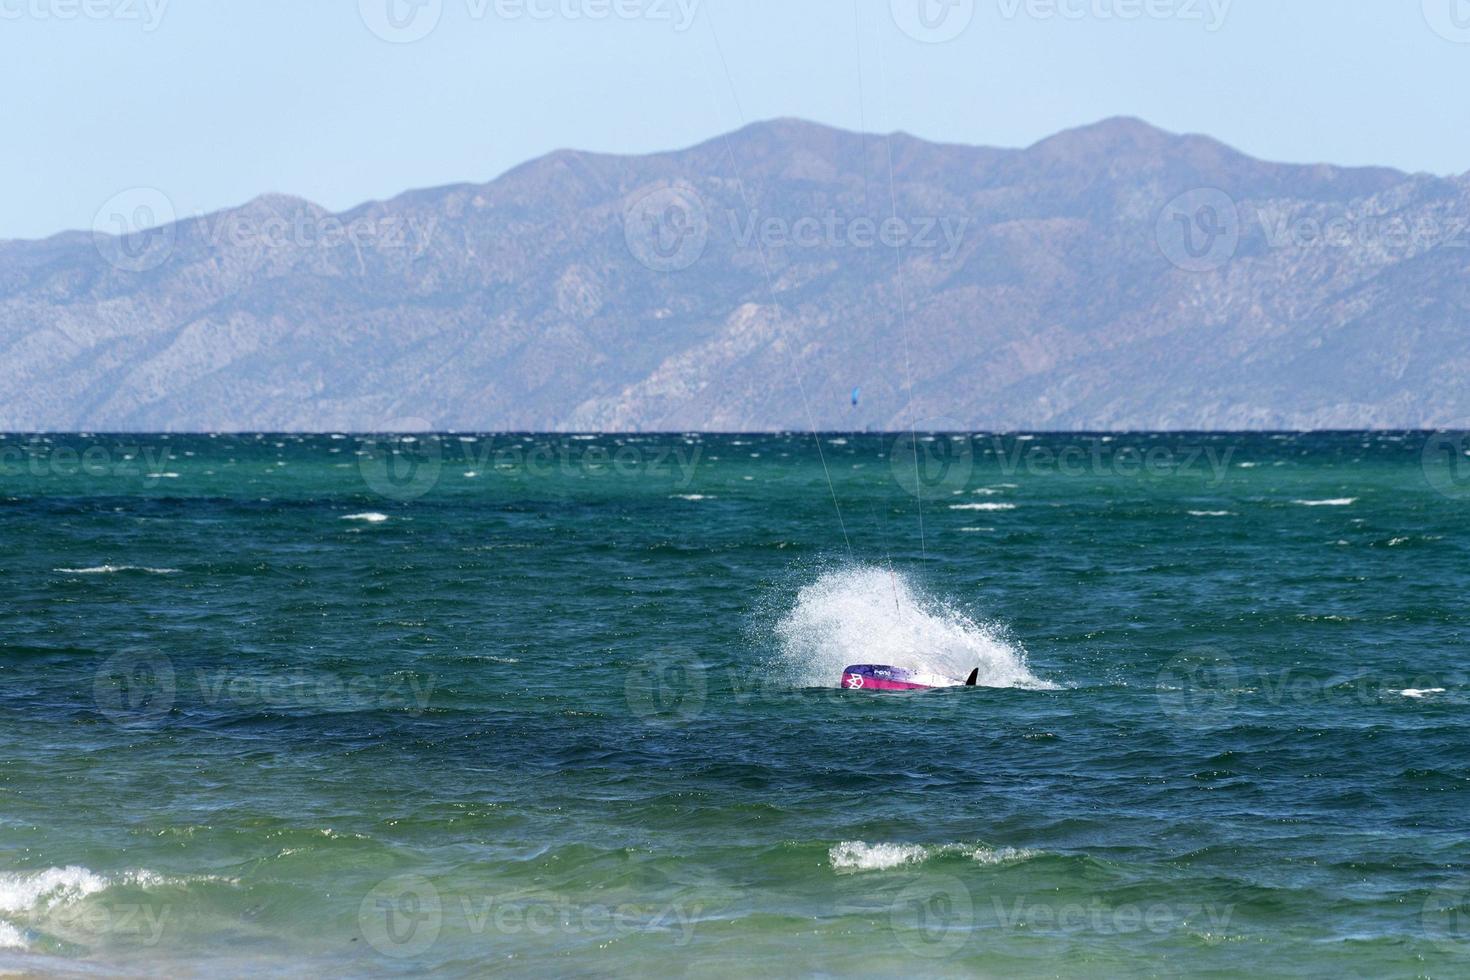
[866, 614]
[28, 897]
[856, 855]
[114, 569]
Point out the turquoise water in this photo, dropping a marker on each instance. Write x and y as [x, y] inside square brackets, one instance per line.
[568, 706]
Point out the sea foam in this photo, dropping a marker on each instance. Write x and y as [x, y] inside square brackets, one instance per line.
[856, 855]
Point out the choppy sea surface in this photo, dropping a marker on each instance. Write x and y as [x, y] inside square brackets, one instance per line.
[556, 705]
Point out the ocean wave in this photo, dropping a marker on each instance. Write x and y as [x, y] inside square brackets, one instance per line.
[50, 892]
[1211, 513]
[113, 569]
[983, 506]
[1329, 502]
[372, 517]
[856, 855]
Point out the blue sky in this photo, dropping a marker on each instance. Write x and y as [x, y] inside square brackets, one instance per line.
[213, 103]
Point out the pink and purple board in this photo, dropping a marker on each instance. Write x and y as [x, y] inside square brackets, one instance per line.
[876, 677]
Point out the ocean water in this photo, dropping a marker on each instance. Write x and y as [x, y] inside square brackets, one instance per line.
[273, 705]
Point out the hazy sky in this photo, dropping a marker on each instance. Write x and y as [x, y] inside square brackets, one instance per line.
[215, 102]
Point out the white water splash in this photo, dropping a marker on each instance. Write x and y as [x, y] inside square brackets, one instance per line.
[856, 855]
[869, 615]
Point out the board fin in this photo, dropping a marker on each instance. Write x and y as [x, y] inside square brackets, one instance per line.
[974, 676]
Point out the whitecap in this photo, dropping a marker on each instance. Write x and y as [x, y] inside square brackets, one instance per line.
[1329, 502]
[856, 855]
[1211, 513]
[691, 496]
[985, 506]
[372, 517]
[1416, 692]
[111, 569]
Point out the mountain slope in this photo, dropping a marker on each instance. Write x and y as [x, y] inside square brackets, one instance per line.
[1113, 276]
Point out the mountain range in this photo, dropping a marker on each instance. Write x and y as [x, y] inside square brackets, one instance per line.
[784, 276]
